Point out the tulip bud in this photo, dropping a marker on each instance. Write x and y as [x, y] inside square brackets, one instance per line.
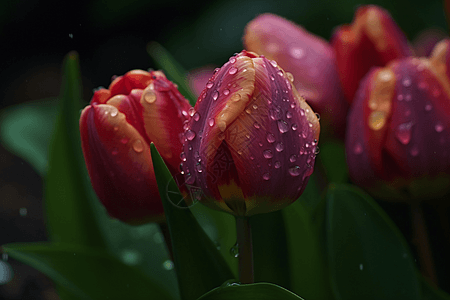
[309, 58]
[251, 143]
[116, 131]
[398, 131]
[373, 39]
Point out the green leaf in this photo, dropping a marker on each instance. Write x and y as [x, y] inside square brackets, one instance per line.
[270, 251]
[26, 129]
[172, 69]
[255, 291]
[332, 157]
[200, 267]
[430, 292]
[87, 273]
[368, 256]
[68, 195]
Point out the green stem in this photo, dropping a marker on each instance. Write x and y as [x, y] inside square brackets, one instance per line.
[420, 239]
[245, 246]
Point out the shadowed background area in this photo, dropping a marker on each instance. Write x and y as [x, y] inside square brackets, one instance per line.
[111, 38]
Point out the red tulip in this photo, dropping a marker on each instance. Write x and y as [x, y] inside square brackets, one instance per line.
[116, 131]
[373, 39]
[250, 145]
[398, 131]
[309, 58]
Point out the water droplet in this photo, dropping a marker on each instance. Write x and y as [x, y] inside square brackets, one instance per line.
[115, 151]
[288, 115]
[114, 112]
[256, 125]
[209, 85]
[282, 126]
[211, 122]
[280, 73]
[272, 77]
[196, 116]
[116, 128]
[275, 113]
[292, 105]
[232, 70]
[361, 267]
[236, 97]
[295, 171]
[357, 149]
[406, 82]
[190, 179]
[414, 151]
[439, 127]
[255, 106]
[277, 165]
[266, 176]
[318, 117]
[23, 211]
[183, 156]
[234, 251]
[400, 97]
[232, 59]
[428, 107]
[290, 77]
[150, 97]
[279, 147]
[168, 265]
[302, 112]
[316, 150]
[273, 63]
[124, 141]
[293, 158]
[267, 154]
[377, 120]
[270, 137]
[198, 167]
[294, 127]
[190, 135]
[138, 146]
[215, 95]
[226, 92]
[403, 133]
[297, 53]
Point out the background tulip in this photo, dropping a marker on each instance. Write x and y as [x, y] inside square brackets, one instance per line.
[309, 58]
[250, 145]
[116, 131]
[397, 133]
[373, 39]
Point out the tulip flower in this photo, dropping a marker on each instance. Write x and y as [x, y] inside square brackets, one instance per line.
[398, 128]
[116, 131]
[250, 145]
[373, 39]
[309, 58]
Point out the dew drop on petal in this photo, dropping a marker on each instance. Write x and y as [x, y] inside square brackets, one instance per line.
[439, 127]
[196, 116]
[279, 147]
[282, 126]
[288, 115]
[280, 73]
[414, 151]
[428, 107]
[232, 59]
[232, 70]
[293, 158]
[270, 137]
[318, 117]
[357, 149]
[256, 125]
[272, 77]
[406, 82]
[191, 111]
[290, 77]
[266, 176]
[183, 156]
[211, 122]
[150, 97]
[400, 97]
[297, 53]
[138, 146]
[267, 154]
[403, 133]
[294, 127]
[190, 135]
[209, 85]
[114, 112]
[295, 171]
[215, 95]
[273, 63]
[226, 92]
[277, 165]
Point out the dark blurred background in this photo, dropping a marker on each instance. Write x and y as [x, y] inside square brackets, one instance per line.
[111, 39]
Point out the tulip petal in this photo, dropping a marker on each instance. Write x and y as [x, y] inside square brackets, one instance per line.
[373, 39]
[135, 79]
[120, 166]
[309, 58]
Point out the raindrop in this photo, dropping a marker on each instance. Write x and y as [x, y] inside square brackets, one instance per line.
[191, 111]
[414, 151]
[115, 151]
[290, 77]
[297, 53]
[400, 97]
[403, 133]
[292, 105]
[310, 125]
[280, 73]
[357, 149]
[272, 77]
[114, 112]
[439, 127]
[273, 63]
[361, 267]
[428, 107]
[183, 156]
[279, 147]
[150, 97]
[232, 59]
[318, 117]
[209, 85]
[256, 125]
[277, 165]
[255, 106]
[211, 122]
[196, 116]
[131, 257]
[282, 126]
[288, 115]
[275, 113]
[232, 70]
[168, 265]
[23, 211]
[302, 112]
[293, 158]
[124, 141]
[226, 92]
[270, 137]
[199, 167]
[138, 146]
[215, 95]
[406, 82]
[295, 171]
[234, 251]
[266, 176]
[190, 135]
[294, 127]
[236, 97]
[267, 154]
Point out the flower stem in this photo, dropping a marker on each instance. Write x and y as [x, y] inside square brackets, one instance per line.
[420, 239]
[245, 246]
[165, 232]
